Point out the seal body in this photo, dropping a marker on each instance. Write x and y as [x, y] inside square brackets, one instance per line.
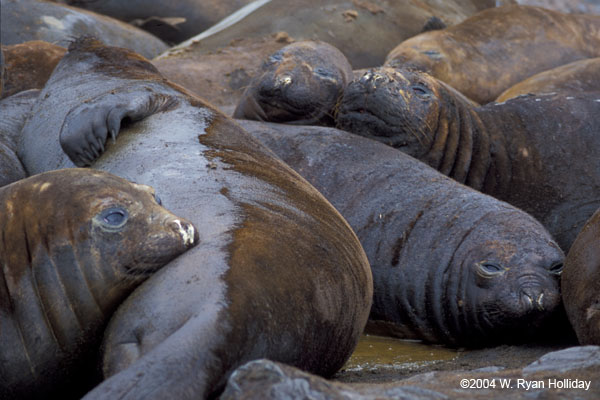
[537, 153]
[578, 76]
[15, 111]
[198, 15]
[450, 265]
[27, 20]
[580, 284]
[381, 25]
[29, 65]
[278, 272]
[301, 83]
[219, 77]
[497, 48]
[75, 243]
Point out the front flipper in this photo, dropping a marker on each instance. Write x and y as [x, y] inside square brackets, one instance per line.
[86, 127]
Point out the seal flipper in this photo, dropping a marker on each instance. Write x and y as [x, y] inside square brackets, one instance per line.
[87, 126]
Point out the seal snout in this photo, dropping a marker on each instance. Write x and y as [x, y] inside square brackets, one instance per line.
[186, 230]
[533, 298]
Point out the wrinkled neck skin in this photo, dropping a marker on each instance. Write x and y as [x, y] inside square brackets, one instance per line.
[465, 148]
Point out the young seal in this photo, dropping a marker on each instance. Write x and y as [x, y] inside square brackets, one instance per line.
[278, 272]
[538, 153]
[450, 265]
[74, 244]
[364, 31]
[580, 283]
[497, 48]
[578, 76]
[27, 20]
[299, 84]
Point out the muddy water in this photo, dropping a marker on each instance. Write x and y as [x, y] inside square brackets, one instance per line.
[375, 353]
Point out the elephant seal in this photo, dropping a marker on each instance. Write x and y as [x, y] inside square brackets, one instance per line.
[27, 20]
[74, 244]
[497, 48]
[580, 284]
[578, 76]
[450, 265]
[29, 65]
[537, 153]
[198, 15]
[219, 77]
[300, 84]
[278, 272]
[380, 25]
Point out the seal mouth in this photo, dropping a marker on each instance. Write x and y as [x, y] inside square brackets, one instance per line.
[363, 122]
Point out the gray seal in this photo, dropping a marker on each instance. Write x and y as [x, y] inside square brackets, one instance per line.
[450, 264]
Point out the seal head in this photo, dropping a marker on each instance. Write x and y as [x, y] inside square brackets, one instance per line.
[301, 84]
[75, 243]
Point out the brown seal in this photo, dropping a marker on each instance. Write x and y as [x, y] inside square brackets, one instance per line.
[278, 272]
[27, 20]
[29, 65]
[450, 264]
[364, 30]
[497, 48]
[538, 153]
[580, 283]
[299, 84]
[578, 76]
[219, 77]
[74, 244]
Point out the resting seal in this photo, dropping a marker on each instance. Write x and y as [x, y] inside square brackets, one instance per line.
[578, 76]
[450, 265]
[300, 84]
[536, 153]
[497, 48]
[278, 272]
[580, 283]
[379, 25]
[27, 20]
[74, 244]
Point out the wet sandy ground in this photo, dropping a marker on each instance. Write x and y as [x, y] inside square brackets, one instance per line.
[379, 359]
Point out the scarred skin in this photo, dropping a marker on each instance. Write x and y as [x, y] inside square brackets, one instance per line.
[538, 153]
[578, 76]
[29, 65]
[364, 30]
[300, 84]
[450, 265]
[74, 244]
[27, 20]
[581, 284]
[278, 273]
[497, 48]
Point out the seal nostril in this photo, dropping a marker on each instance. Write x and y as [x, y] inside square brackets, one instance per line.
[540, 305]
[187, 231]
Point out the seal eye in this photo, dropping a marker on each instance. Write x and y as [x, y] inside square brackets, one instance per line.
[556, 268]
[489, 269]
[421, 90]
[113, 218]
[157, 199]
